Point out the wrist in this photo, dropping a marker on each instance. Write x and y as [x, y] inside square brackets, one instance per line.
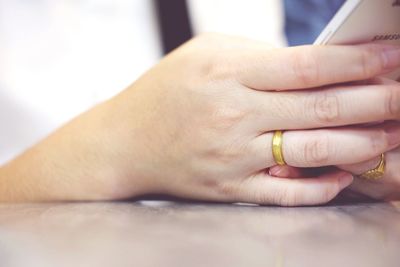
[86, 160]
[122, 164]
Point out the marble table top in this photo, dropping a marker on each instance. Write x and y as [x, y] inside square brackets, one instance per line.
[167, 233]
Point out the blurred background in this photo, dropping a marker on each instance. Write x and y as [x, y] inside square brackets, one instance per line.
[60, 57]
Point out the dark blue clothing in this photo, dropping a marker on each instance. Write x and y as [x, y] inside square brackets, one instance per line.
[305, 19]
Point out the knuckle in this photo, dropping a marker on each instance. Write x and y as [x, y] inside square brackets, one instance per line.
[325, 107]
[229, 155]
[226, 116]
[318, 151]
[205, 53]
[392, 102]
[369, 68]
[378, 143]
[306, 66]
[211, 66]
[215, 68]
[225, 154]
[366, 68]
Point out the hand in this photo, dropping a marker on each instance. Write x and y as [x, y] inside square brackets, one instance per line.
[199, 125]
[387, 187]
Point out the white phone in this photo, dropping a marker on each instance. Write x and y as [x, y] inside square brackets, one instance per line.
[361, 21]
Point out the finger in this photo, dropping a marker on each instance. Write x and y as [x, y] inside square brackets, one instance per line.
[313, 66]
[383, 188]
[374, 189]
[325, 147]
[373, 81]
[264, 189]
[360, 168]
[383, 80]
[336, 106]
[285, 171]
[392, 166]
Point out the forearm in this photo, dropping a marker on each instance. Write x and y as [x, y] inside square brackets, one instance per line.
[73, 164]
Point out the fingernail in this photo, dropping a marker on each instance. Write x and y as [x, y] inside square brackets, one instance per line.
[345, 180]
[391, 57]
[393, 134]
[278, 171]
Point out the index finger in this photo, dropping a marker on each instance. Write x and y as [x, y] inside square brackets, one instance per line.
[309, 66]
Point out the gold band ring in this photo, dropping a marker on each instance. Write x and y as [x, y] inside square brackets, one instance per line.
[277, 152]
[377, 172]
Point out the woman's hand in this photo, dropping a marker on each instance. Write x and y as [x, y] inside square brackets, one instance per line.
[385, 188]
[199, 125]
[388, 186]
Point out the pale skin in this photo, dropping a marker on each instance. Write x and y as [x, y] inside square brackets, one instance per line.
[386, 187]
[199, 125]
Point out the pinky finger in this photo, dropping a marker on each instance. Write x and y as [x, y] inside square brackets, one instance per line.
[264, 189]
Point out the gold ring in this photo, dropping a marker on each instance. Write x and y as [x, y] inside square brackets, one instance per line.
[277, 140]
[377, 172]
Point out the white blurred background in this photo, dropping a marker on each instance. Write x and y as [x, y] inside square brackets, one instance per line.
[60, 57]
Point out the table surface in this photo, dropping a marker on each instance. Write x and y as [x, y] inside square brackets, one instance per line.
[164, 233]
